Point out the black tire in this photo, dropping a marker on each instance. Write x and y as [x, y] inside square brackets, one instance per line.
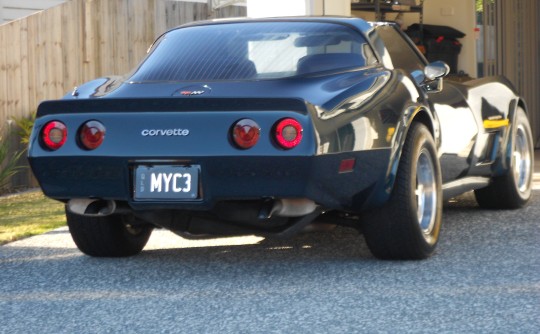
[108, 236]
[407, 227]
[514, 189]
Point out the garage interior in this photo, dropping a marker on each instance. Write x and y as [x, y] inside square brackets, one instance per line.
[501, 38]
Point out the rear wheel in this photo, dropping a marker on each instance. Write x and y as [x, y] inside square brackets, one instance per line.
[108, 236]
[408, 226]
[513, 190]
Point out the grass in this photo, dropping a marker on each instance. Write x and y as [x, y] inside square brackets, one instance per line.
[28, 214]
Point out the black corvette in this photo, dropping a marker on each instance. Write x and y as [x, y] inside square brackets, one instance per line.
[263, 126]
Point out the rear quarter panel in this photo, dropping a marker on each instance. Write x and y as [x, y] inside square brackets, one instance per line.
[492, 102]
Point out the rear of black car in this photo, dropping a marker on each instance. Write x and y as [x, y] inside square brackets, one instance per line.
[219, 121]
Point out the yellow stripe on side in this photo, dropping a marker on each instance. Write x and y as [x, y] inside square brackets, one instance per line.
[495, 123]
[390, 132]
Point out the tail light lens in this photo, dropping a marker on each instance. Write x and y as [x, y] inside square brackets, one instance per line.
[246, 133]
[54, 135]
[288, 133]
[91, 135]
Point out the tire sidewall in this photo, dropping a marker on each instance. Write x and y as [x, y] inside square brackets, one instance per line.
[423, 142]
[521, 120]
[107, 236]
[393, 231]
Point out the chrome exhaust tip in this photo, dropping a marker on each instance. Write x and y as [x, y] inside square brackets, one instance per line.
[91, 207]
[293, 207]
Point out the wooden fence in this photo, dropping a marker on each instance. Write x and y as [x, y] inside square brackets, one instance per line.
[45, 55]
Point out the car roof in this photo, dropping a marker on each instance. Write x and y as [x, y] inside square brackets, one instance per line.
[355, 22]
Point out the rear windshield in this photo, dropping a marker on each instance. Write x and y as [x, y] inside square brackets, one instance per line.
[253, 51]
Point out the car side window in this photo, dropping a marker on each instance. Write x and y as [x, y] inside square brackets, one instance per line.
[402, 53]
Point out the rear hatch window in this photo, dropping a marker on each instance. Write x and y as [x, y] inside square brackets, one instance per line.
[253, 51]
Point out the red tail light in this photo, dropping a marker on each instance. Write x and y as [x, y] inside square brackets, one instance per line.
[288, 133]
[54, 135]
[246, 133]
[91, 135]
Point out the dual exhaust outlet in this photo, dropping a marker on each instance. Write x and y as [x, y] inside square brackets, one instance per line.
[296, 207]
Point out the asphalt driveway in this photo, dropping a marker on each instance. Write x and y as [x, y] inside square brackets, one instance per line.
[485, 277]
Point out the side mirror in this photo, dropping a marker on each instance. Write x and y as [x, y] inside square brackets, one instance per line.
[436, 70]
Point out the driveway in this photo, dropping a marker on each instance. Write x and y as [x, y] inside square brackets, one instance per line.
[484, 278]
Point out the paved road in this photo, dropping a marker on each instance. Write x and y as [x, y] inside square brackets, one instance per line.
[485, 278]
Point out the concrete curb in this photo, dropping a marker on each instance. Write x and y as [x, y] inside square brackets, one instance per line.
[17, 193]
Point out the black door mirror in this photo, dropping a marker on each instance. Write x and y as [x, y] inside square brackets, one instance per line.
[434, 73]
[436, 70]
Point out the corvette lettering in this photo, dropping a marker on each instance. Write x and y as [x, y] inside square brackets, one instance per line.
[164, 132]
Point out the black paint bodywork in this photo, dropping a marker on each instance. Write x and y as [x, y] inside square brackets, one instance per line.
[360, 113]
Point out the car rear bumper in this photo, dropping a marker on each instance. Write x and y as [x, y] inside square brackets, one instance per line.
[345, 181]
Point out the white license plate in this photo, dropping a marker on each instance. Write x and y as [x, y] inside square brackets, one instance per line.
[166, 182]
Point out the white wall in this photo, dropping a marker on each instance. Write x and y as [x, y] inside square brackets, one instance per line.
[461, 15]
[264, 8]
[336, 7]
[272, 8]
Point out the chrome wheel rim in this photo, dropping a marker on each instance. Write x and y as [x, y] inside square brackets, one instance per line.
[426, 192]
[521, 164]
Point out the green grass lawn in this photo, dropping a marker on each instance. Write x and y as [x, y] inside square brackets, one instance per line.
[28, 214]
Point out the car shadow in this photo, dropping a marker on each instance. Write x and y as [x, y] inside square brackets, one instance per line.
[338, 243]
[465, 202]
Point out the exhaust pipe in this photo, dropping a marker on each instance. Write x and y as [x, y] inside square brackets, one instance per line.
[293, 207]
[91, 207]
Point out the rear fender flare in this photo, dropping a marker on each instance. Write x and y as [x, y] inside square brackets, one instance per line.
[508, 141]
[414, 113]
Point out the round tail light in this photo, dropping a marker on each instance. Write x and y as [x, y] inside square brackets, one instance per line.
[246, 133]
[288, 133]
[91, 135]
[54, 135]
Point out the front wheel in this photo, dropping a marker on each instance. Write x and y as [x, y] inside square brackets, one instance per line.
[408, 226]
[514, 189]
[107, 236]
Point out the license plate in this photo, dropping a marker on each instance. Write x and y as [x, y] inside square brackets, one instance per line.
[166, 182]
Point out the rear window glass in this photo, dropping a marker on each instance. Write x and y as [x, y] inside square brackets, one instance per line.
[253, 51]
